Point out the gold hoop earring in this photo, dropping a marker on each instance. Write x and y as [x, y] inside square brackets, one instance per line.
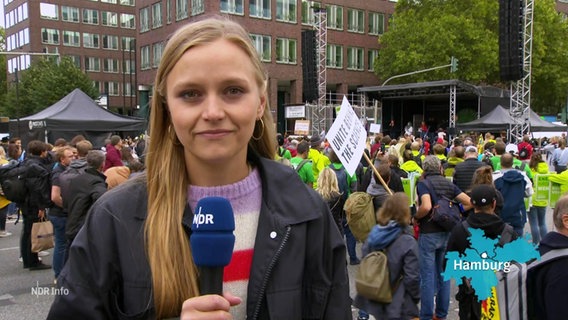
[261, 131]
[173, 137]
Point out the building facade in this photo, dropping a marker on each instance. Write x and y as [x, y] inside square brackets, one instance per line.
[99, 35]
[276, 26]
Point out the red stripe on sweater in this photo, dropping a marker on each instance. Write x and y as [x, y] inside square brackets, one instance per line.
[239, 267]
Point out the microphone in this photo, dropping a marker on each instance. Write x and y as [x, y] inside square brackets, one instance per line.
[212, 242]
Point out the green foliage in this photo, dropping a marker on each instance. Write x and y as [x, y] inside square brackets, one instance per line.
[427, 33]
[43, 84]
[466, 115]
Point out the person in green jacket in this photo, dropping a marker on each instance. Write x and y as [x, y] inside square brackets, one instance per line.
[409, 164]
[537, 213]
[303, 165]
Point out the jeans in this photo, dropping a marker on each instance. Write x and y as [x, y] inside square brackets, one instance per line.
[29, 258]
[60, 243]
[350, 242]
[538, 224]
[431, 252]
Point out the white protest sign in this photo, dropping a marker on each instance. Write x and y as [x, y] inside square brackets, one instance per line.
[375, 128]
[347, 137]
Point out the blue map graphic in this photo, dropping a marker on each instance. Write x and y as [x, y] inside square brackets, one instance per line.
[483, 258]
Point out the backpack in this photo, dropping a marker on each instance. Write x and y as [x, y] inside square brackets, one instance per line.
[65, 178]
[521, 167]
[418, 159]
[372, 280]
[13, 177]
[445, 212]
[342, 180]
[301, 164]
[360, 214]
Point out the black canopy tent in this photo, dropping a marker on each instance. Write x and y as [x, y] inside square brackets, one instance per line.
[74, 114]
[499, 119]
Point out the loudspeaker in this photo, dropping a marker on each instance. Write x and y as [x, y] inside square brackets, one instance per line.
[511, 32]
[309, 66]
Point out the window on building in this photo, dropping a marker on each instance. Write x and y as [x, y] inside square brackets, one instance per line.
[181, 9]
[113, 88]
[48, 11]
[372, 56]
[76, 60]
[128, 66]
[286, 10]
[71, 38]
[131, 3]
[308, 16]
[128, 43]
[232, 6]
[355, 58]
[157, 49]
[145, 57]
[355, 20]
[129, 89]
[156, 15]
[110, 42]
[90, 40]
[376, 23]
[334, 17]
[263, 46]
[286, 50]
[109, 1]
[49, 36]
[90, 16]
[109, 19]
[168, 11]
[127, 21]
[145, 19]
[260, 8]
[92, 64]
[197, 7]
[69, 14]
[97, 85]
[110, 65]
[334, 56]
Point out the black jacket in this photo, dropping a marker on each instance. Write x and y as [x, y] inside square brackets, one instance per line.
[84, 190]
[547, 283]
[301, 274]
[463, 173]
[38, 185]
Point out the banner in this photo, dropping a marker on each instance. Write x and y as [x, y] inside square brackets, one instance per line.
[302, 127]
[541, 187]
[554, 194]
[347, 137]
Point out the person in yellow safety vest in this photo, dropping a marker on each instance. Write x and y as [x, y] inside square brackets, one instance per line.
[319, 160]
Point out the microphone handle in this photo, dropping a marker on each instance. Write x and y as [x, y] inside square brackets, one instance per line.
[211, 280]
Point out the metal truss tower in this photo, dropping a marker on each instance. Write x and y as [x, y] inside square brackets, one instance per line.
[320, 116]
[521, 89]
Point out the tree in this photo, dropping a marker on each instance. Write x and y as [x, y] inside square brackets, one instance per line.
[426, 33]
[43, 84]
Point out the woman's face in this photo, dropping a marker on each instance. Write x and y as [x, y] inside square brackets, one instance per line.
[214, 100]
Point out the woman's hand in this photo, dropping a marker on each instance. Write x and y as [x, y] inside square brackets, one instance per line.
[210, 306]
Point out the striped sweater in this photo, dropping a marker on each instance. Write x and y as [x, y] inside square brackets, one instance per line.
[245, 197]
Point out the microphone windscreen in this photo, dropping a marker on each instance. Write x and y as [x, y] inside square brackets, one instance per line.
[212, 239]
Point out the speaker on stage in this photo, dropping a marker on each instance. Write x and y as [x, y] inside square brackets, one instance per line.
[309, 66]
[511, 39]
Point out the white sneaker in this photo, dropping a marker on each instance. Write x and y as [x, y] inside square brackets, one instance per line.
[43, 253]
[22, 260]
[4, 234]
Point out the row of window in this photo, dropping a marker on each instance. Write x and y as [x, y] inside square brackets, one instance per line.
[286, 53]
[89, 16]
[18, 40]
[113, 88]
[286, 11]
[16, 16]
[90, 40]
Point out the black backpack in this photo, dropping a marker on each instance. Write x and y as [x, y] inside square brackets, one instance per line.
[13, 180]
[524, 152]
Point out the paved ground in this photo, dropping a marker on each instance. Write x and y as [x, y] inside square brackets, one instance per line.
[28, 294]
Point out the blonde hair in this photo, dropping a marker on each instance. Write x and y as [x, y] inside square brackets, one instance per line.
[395, 208]
[327, 184]
[174, 274]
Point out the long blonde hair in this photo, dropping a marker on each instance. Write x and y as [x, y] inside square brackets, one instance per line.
[327, 184]
[174, 275]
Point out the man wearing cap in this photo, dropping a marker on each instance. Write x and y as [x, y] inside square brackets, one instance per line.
[463, 173]
[518, 164]
[319, 160]
[484, 199]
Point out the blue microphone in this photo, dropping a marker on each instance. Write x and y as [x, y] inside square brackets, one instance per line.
[212, 242]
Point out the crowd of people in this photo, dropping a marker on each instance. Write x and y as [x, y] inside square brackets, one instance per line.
[468, 168]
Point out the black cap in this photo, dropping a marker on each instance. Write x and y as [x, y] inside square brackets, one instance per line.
[483, 195]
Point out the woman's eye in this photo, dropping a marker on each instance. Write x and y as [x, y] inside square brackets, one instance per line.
[192, 94]
[235, 91]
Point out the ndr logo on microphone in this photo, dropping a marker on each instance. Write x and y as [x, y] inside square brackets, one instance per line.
[202, 218]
